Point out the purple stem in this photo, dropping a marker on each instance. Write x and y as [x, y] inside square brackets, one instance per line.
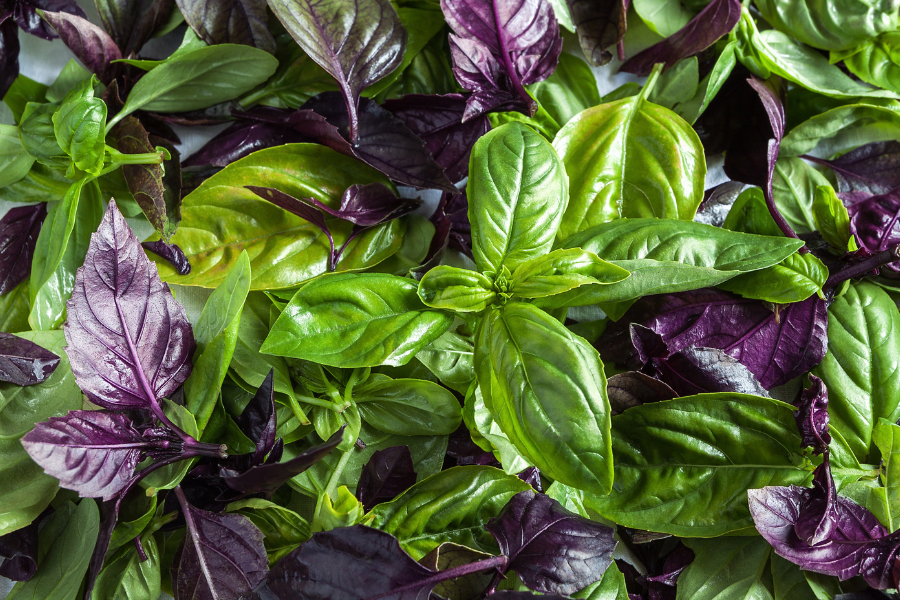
[142, 554]
[494, 562]
[861, 268]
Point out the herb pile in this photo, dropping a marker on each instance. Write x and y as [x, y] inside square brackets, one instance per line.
[567, 381]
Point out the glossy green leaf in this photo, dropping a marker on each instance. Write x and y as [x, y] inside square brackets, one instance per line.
[36, 132]
[297, 79]
[408, 407]
[664, 17]
[732, 567]
[789, 581]
[40, 183]
[71, 75]
[794, 184]
[283, 529]
[355, 320]
[877, 61]
[794, 279]
[862, 367]
[886, 437]
[24, 90]
[542, 122]
[485, 432]
[684, 466]
[220, 219]
[832, 219]
[571, 89]
[691, 109]
[126, 577]
[521, 188]
[450, 288]
[562, 270]
[132, 521]
[841, 129]
[527, 363]
[677, 84]
[449, 358]
[14, 309]
[60, 251]
[630, 158]
[344, 511]
[79, 127]
[216, 334]
[452, 506]
[830, 24]
[15, 162]
[611, 587]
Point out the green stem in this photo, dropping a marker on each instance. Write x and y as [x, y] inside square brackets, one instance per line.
[254, 98]
[348, 390]
[332, 391]
[651, 80]
[340, 407]
[146, 158]
[298, 412]
[332, 485]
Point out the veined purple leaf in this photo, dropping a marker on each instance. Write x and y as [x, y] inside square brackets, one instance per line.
[129, 341]
[132, 22]
[92, 452]
[229, 22]
[222, 556]
[775, 347]
[370, 204]
[675, 563]
[170, 252]
[241, 139]
[19, 552]
[357, 41]
[27, 17]
[698, 370]
[873, 169]
[90, 44]
[818, 513]
[438, 121]
[19, 230]
[9, 52]
[716, 20]
[874, 223]
[312, 125]
[258, 420]
[532, 476]
[386, 475]
[633, 388]
[23, 362]
[551, 549]
[812, 415]
[502, 45]
[384, 142]
[600, 25]
[451, 223]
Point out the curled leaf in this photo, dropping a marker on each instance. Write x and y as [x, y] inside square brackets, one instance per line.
[19, 230]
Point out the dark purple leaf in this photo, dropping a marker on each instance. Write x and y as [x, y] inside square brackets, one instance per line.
[451, 223]
[131, 23]
[129, 342]
[502, 46]
[90, 44]
[438, 121]
[716, 20]
[675, 563]
[633, 388]
[532, 476]
[874, 223]
[266, 479]
[222, 556]
[258, 421]
[357, 41]
[464, 451]
[229, 22]
[698, 370]
[92, 452]
[26, 15]
[775, 346]
[818, 513]
[241, 139]
[386, 475]
[306, 122]
[370, 204]
[384, 142]
[19, 229]
[812, 415]
[170, 252]
[873, 169]
[23, 362]
[216, 114]
[551, 549]
[9, 53]
[448, 556]
[600, 25]
[19, 552]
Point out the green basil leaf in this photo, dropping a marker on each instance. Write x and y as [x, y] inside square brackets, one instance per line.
[794, 279]
[830, 24]
[132, 521]
[841, 129]
[677, 84]
[542, 121]
[521, 188]
[126, 577]
[452, 506]
[297, 79]
[350, 320]
[79, 127]
[525, 361]
[37, 135]
[220, 218]
[23, 91]
[877, 61]
[374, 246]
[449, 358]
[283, 529]
[794, 184]
[487, 433]
[456, 289]
[40, 183]
[14, 309]
[571, 89]
[60, 250]
[789, 581]
[664, 17]
[15, 162]
[611, 587]
[415, 243]
[744, 559]
[684, 466]
[71, 75]
[886, 437]
[832, 219]
[563, 270]
[199, 79]
[216, 335]
[408, 407]
[690, 110]
[862, 368]
[630, 158]
[59, 573]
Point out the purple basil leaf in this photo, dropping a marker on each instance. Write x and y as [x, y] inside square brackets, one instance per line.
[502, 45]
[129, 341]
[170, 252]
[464, 451]
[648, 345]
[633, 388]
[239, 140]
[370, 204]
[812, 415]
[222, 556]
[873, 168]
[874, 223]
[386, 475]
[532, 476]
[310, 124]
[716, 20]
[698, 370]
[818, 512]
[266, 479]
[19, 553]
[19, 229]
[109, 515]
[552, 550]
[90, 44]
[258, 420]
[451, 223]
[357, 42]
[229, 22]
[775, 347]
[600, 25]
[23, 362]
[438, 121]
[384, 142]
[131, 23]
[9, 53]
[26, 15]
[675, 563]
[92, 452]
